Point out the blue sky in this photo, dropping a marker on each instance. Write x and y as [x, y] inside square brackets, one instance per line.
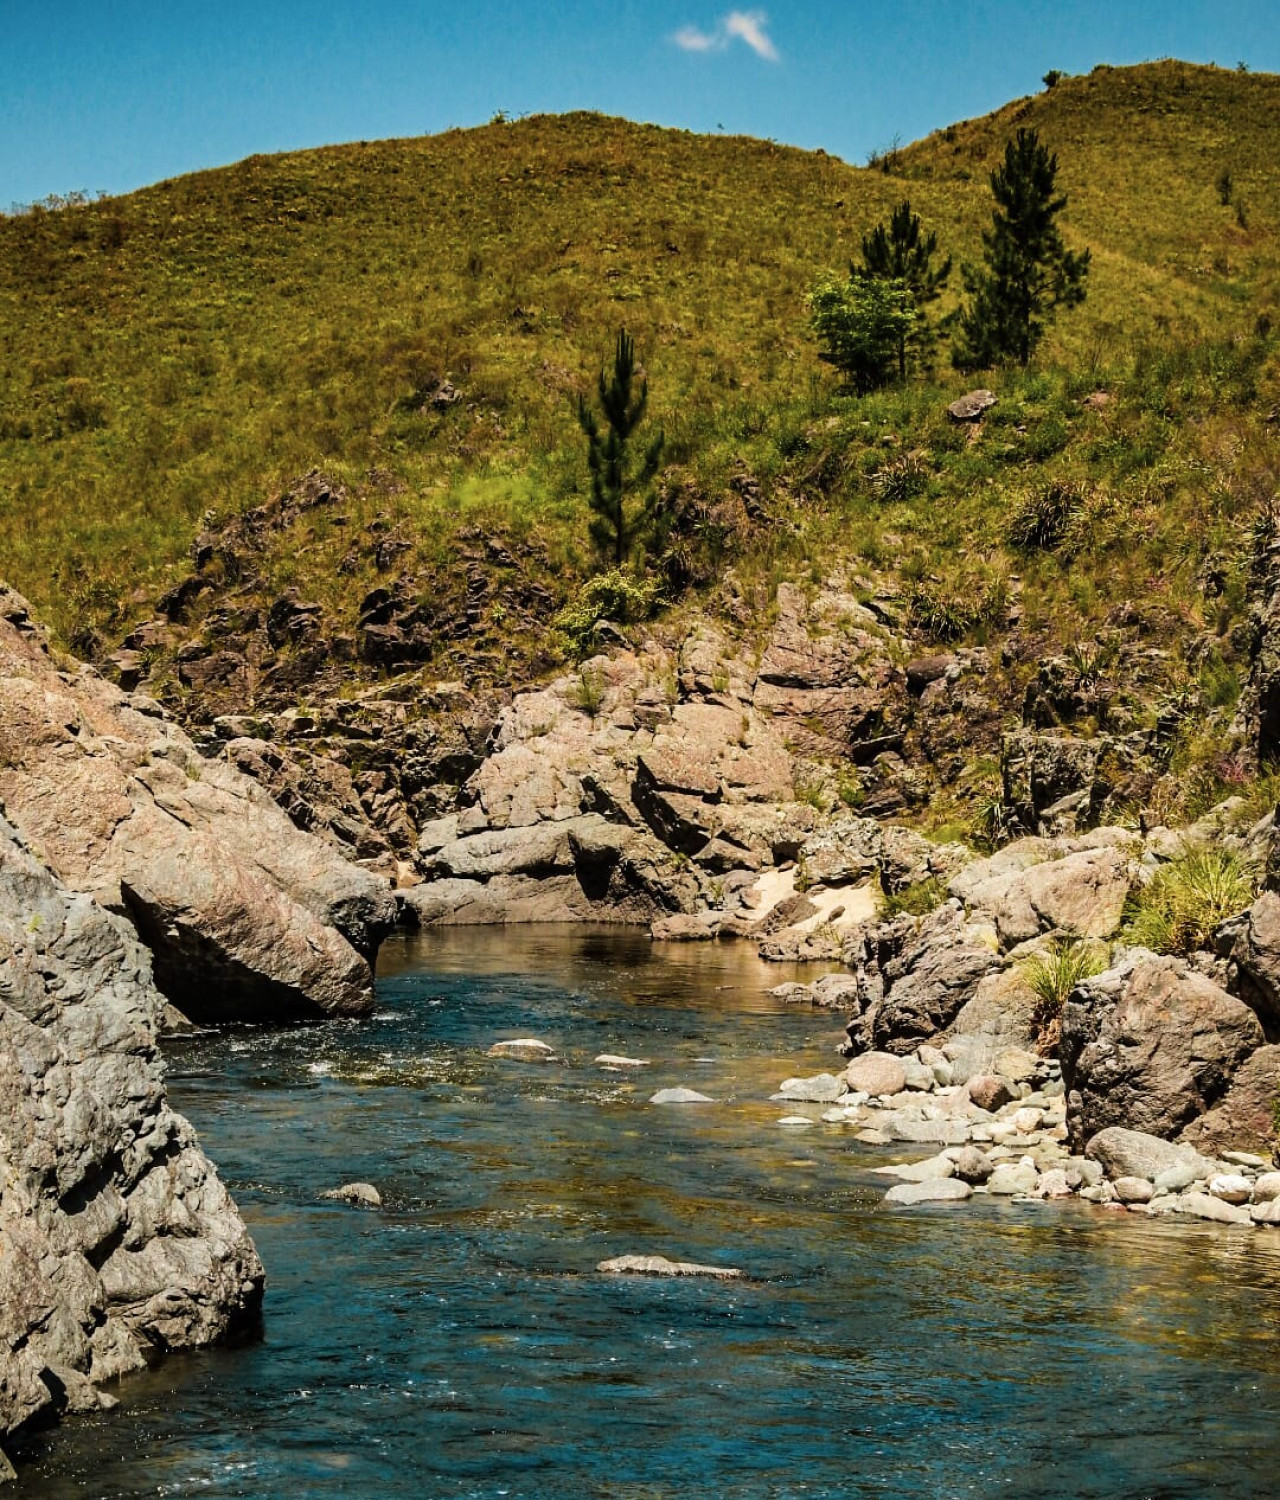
[115, 94]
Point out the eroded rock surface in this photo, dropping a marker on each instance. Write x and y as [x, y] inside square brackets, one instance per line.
[117, 1239]
[247, 918]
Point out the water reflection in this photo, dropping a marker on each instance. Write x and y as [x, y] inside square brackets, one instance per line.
[459, 1345]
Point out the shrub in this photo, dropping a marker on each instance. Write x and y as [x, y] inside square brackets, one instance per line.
[948, 616]
[1185, 901]
[614, 597]
[1042, 521]
[916, 900]
[1053, 975]
[860, 324]
[901, 479]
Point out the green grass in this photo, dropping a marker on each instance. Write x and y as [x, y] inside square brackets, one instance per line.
[1185, 901]
[176, 355]
[1052, 976]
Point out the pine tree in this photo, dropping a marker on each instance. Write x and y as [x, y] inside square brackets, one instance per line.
[1028, 271]
[899, 251]
[615, 526]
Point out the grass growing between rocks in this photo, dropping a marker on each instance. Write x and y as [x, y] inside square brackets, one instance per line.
[1185, 901]
[1052, 976]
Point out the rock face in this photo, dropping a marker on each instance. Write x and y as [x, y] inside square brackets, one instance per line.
[247, 918]
[1255, 952]
[1151, 1045]
[1245, 1116]
[117, 1240]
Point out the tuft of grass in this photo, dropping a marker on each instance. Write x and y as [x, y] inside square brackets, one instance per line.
[1053, 975]
[916, 900]
[1043, 520]
[1186, 900]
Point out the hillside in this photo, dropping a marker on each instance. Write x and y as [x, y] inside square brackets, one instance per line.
[415, 316]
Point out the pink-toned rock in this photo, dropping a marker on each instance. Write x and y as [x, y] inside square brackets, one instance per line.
[876, 1073]
[990, 1092]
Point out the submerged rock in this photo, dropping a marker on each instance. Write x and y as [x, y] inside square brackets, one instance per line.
[522, 1049]
[614, 1060]
[940, 1190]
[358, 1194]
[680, 1096]
[659, 1265]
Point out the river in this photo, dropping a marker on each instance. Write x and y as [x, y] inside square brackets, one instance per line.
[458, 1345]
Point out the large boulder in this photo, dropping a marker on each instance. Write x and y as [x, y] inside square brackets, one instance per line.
[1255, 951]
[1244, 1119]
[247, 917]
[1039, 885]
[1150, 1045]
[918, 973]
[1137, 1154]
[117, 1240]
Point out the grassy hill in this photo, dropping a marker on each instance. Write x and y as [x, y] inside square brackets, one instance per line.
[172, 357]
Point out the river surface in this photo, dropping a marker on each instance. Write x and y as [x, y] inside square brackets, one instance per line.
[459, 1343]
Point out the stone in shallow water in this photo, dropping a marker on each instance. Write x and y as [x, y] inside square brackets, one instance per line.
[933, 1169]
[1009, 1179]
[613, 1060]
[795, 1121]
[1227, 1187]
[941, 1190]
[1202, 1206]
[1133, 1189]
[680, 1096]
[659, 1265]
[358, 1194]
[1267, 1187]
[1266, 1213]
[876, 1073]
[522, 1049]
[822, 1088]
[972, 1165]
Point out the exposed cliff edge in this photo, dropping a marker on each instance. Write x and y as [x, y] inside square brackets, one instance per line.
[247, 918]
[117, 1240]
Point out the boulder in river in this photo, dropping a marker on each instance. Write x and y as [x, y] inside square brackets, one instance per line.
[938, 1190]
[522, 1049]
[1134, 1153]
[680, 1096]
[659, 1265]
[358, 1194]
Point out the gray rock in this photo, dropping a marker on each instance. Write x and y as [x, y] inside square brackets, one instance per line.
[1133, 1189]
[942, 1190]
[1202, 1206]
[1267, 1188]
[680, 1096]
[1150, 1045]
[358, 1194]
[1266, 1213]
[1011, 1178]
[1134, 1153]
[971, 406]
[522, 1049]
[934, 1169]
[117, 1239]
[972, 1165]
[927, 1132]
[659, 1265]
[1228, 1187]
[822, 1088]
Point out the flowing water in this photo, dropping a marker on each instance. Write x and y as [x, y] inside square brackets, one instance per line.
[459, 1343]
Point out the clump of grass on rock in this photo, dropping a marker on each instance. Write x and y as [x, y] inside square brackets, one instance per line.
[1186, 900]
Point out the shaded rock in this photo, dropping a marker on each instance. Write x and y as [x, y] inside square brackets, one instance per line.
[358, 1194]
[659, 1265]
[680, 1096]
[1150, 1046]
[876, 1073]
[702, 927]
[942, 1190]
[1245, 1115]
[1256, 953]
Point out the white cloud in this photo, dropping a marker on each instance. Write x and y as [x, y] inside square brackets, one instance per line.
[749, 27]
[746, 26]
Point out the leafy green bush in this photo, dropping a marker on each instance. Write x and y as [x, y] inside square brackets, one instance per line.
[1042, 520]
[860, 325]
[1053, 975]
[614, 597]
[1180, 907]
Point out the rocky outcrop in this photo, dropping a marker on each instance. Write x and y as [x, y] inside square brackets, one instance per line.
[1255, 954]
[1035, 885]
[246, 917]
[1246, 1115]
[117, 1240]
[1150, 1045]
